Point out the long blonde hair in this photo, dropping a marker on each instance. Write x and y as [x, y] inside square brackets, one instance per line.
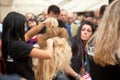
[106, 40]
[52, 31]
[47, 69]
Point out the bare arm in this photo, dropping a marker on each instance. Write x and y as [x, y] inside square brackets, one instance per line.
[71, 72]
[35, 30]
[44, 54]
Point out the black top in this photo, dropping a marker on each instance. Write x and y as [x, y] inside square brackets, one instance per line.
[22, 62]
[108, 72]
[76, 61]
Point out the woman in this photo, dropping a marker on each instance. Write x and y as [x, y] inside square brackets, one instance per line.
[78, 43]
[104, 48]
[15, 51]
[48, 69]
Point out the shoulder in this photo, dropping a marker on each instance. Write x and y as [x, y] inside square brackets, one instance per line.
[20, 48]
[20, 45]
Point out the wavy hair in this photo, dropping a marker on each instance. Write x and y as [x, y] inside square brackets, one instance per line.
[106, 40]
[47, 69]
[52, 31]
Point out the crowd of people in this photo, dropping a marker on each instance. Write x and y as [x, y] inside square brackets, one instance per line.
[60, 45]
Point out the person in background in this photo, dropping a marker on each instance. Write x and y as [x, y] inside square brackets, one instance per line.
[16, 52]
[85, 31]
[104, 46]
[30, 24]
[63, 15]
[69, 21]
[102, 10]
[29, 15]
[54, 11]
[42, 16]
[64, 18]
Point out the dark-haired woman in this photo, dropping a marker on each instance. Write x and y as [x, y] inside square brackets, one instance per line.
[85, 31]
[15, 51]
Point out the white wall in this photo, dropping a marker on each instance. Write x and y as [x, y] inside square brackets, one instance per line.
[22, 6]
[37, 6]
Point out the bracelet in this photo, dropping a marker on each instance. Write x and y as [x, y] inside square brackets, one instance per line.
[77, 76]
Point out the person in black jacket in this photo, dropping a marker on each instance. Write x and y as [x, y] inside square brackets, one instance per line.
[85, 31]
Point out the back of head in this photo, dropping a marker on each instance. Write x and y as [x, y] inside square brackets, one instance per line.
[13, 28]
[13, 24]
[30, 15]
[54, 8]
[102, 9]
[108, 34]
[112, 12]
[111, 20]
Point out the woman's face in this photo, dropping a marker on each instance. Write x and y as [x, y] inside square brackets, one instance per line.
[86, 32]
[31, 24]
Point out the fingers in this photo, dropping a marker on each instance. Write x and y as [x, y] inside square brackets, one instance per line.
[50, 42]
[47, 22]
[51, 22]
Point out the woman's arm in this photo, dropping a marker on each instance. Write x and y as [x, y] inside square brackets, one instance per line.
[72, 73]
[46, 53]
[34, 31]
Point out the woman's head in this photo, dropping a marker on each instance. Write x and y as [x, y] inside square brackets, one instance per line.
[85, 31]
[111, 15]
[107, 37]
[31, 23]
[13, 26]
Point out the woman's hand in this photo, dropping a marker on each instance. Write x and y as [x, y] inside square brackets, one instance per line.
[49, 42]
[50, 22]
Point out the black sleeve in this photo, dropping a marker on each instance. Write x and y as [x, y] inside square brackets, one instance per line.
[20, 49]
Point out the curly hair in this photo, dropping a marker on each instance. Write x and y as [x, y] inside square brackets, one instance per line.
[52, 31]
[107, 37]
[47, 69]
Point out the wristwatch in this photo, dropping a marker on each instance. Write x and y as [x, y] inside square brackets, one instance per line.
[77, 76]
